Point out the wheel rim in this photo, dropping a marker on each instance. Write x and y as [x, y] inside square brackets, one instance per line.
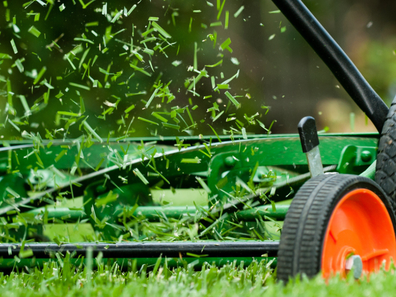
[360, 225]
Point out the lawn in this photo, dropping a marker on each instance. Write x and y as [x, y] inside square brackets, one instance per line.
[61, 279]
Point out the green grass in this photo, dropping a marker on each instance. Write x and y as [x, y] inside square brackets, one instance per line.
[62, 279]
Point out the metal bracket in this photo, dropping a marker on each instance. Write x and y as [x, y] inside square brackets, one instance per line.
[355, 159]
[225, 170]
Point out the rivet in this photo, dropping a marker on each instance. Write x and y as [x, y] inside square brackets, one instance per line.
[366, 156]
[230, 161]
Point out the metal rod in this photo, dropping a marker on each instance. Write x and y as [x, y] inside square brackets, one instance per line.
[155, 213]
[263, 211]
[63, 213]
[336, 59]
[150, 249]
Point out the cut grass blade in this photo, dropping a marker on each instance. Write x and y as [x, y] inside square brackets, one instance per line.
[137, 172]
[232, 99]
[92, 131]
[39, 75]
[34, 31]
[14, 47]
[161, 30]
[239, 11]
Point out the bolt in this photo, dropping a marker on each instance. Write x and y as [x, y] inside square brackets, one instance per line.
[230, 161]
[366, 156]
[355, 263]
[3, 167]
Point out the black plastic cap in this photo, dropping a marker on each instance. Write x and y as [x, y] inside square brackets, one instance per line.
[308, 134]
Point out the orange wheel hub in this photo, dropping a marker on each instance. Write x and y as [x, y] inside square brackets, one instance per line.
[359, 225]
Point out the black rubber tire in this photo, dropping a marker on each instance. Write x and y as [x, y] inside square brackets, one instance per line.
[385, 174]
[305, 225]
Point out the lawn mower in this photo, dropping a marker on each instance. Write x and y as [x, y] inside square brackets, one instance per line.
[262, 197]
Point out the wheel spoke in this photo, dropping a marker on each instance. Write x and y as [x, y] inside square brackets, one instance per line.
[375, 254]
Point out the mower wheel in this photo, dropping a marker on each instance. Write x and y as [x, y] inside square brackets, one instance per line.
[385, 174]
[337, 223]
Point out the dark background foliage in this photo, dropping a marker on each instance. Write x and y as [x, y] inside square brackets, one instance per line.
[85, 56]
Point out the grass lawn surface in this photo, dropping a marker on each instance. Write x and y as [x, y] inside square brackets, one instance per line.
[62, 279]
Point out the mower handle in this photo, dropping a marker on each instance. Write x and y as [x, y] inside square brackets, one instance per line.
[335, 58]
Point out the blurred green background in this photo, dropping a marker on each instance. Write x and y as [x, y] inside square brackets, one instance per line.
[152, 68]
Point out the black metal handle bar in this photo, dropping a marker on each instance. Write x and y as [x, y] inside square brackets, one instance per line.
[335, 58]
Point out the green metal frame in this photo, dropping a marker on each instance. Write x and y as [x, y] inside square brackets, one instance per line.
[270, 165]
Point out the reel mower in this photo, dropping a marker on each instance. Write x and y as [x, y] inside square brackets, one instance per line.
[265, 197]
